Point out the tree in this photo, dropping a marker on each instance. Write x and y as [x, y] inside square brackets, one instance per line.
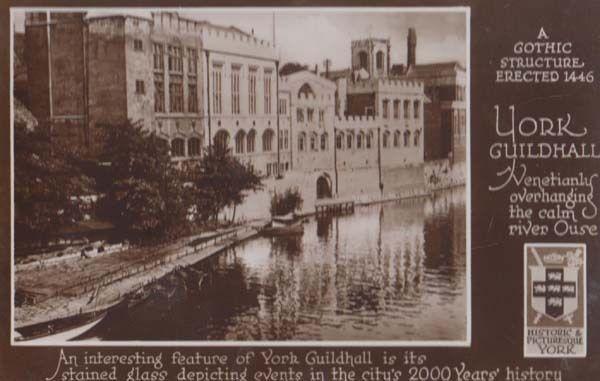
[47, 180]
[290, 201]
[291, 68]
[221, 180]
[145, 197]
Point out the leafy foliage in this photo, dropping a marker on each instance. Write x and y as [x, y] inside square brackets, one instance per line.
[291, 68]
[46, 178]
[145, 197]
[219, 181]
[287, 202]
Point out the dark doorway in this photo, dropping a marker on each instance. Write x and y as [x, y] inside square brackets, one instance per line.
[323, 187]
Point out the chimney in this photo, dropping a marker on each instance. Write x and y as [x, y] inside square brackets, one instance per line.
[411, 42]
[327, 63]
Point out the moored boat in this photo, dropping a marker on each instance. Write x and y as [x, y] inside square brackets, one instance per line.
[60, 330]
[289, 224]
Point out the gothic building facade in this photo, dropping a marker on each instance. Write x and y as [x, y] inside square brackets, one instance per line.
[196, 84]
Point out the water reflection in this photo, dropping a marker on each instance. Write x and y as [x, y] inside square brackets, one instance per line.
[394, 271]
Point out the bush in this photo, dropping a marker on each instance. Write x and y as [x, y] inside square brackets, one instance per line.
[287, 202]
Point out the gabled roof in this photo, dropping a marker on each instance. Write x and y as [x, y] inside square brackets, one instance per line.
[425, 68]
[310, 77]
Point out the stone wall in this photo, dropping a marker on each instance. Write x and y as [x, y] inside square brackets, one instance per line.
[357, 184]
[107, 76]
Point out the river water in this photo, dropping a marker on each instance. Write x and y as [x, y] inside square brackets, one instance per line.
[392, 271]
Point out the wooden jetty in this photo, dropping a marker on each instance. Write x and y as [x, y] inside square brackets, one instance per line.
[334, 206]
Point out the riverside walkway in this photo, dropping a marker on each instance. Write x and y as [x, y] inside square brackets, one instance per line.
[94, 284]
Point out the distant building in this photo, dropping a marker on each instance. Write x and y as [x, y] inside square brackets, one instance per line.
[196, 84]
[191, 82]
[446, 112]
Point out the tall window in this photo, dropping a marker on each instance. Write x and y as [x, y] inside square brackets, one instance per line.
[396, 109]
[321, 116]
[406, 138]
[301, 141]
[417, 138]
[299, 115]
[363, 58]
[159, 93]
[138, 45]
[194, 147]
[235, 90]
[192, 97]
[359, 140]
[349, 140]
[158, 52]
[397, 139]
[406, 109]
[286, 139]
[217, 76]
[140, 87]
[251, 141]
[282, 107]
[267, 140]
[416, 110]
[252, 91]
[221, 140]
[324, 138]
[313, 142]
[310, 114]
[386, 139]
[175, 59]
[192, 61]
[239, 141]
[369, 138]
[385, 105]
[176, 93]
[339, 141]
[267, 83]
[379, 60]
[177, 147]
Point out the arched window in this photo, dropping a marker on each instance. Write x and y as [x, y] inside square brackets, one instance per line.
[386, 139]
[306, 91]
[267, 140]
[359, 140]
[339, 141]
[240, 138]
[194, 147]
[397, 139]
[324, 138]
[177, 147]
[406, 138]
[369, 139]
[379, 60]
[363, 57]
[222, 140]
[349, 140]
[417, 138]
[313, 142]
[251, 141]
[416, 110]
[301, 141]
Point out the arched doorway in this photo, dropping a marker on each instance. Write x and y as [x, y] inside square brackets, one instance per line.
[323, 187]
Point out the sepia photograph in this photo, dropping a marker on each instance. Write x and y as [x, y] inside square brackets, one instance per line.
[249, 176]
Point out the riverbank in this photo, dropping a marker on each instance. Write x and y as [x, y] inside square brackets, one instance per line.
[96, 284]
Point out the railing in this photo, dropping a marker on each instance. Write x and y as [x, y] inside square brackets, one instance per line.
[151, 258]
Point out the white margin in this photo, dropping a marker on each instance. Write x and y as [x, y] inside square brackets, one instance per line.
[525, 287]
[312, 343]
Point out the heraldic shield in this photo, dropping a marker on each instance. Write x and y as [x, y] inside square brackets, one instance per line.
[554, 291]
